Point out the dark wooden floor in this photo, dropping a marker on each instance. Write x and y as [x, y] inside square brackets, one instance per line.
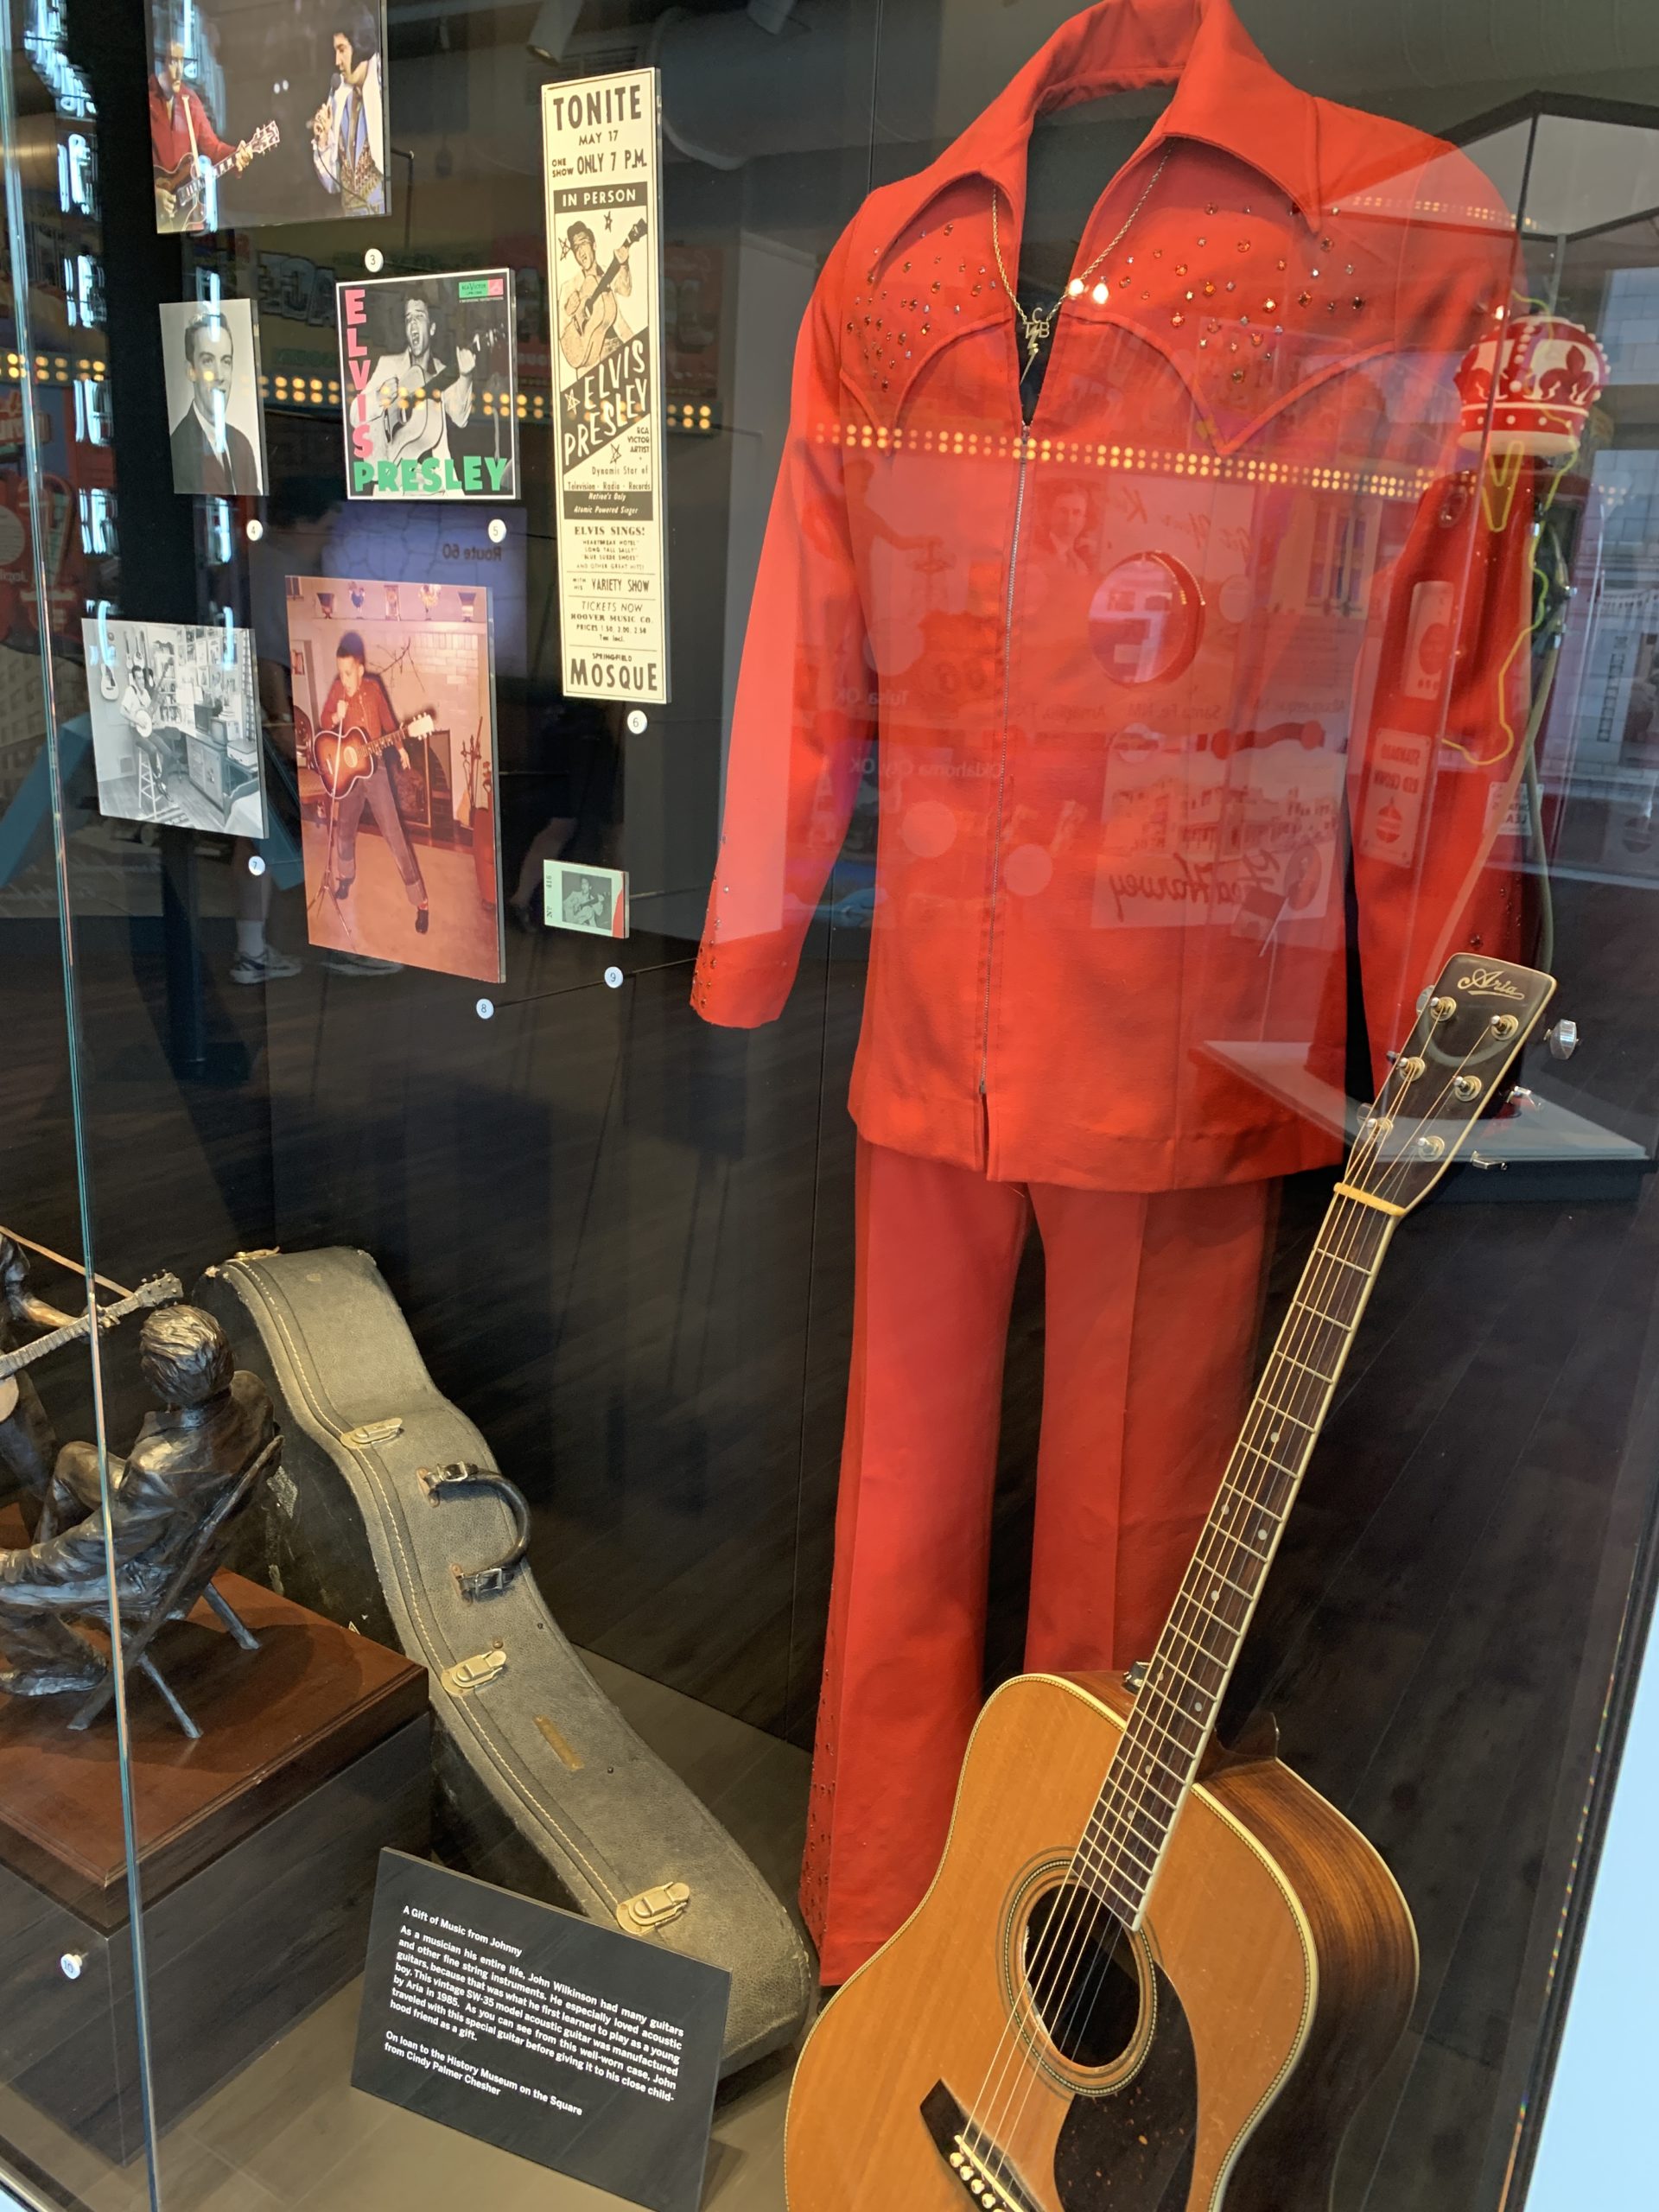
[623, 1241]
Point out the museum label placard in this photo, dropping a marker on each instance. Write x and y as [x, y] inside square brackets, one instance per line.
[592, 2052]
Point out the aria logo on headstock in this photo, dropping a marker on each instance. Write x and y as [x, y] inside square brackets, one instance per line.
[1489, 983]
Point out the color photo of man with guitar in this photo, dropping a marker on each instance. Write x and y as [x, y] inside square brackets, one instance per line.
[359, 703]
[395, 742]
[262, 114]
[182, 140]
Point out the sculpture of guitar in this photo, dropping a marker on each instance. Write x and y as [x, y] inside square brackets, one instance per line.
[160, 1290]
[343, 757]
[181, 190]
[1165, 1990]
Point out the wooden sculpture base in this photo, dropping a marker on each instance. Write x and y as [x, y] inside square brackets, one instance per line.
[256, 1848]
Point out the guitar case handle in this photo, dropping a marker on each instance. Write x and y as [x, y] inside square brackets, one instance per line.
[462, 1476]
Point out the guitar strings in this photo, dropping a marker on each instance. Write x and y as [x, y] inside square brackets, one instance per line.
[1298, 1331]
[1353, 1234]
[1068, 1935]
[1084, 1904]
[1361, 1228]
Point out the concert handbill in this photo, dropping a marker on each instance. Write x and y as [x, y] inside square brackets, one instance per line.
[267, 115]
[394, 726]
[601, 140]
[427, 384]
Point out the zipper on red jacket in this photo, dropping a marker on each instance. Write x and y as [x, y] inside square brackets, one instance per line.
[1002, 770]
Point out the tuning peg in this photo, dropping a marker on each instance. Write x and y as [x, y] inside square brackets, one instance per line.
[1562, 1039]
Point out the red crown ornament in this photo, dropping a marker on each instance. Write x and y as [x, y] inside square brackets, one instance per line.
[1549, 374]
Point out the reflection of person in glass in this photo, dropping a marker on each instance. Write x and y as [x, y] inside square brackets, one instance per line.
[592, 326]
[210, 455]
[587, 902]
[413, 399]
[180, 136]
[1060, 542]
[349, 132]
[359, 702]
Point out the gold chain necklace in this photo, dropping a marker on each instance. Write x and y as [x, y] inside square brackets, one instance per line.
[1037, 325]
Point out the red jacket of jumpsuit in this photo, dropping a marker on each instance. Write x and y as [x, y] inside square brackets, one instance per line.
[1245, 605]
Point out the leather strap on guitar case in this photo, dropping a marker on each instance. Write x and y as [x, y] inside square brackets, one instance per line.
[388, 1515]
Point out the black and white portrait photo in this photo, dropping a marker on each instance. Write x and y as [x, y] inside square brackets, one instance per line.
[210, 349]
[592, 901]
[175, 725]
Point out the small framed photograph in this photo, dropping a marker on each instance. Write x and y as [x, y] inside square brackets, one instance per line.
[394, 727]
[427, 389]
[176, 726]
[210, 352]
[594, 900]
[267, 115]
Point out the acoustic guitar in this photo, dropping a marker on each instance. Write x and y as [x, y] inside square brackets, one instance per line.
[413, 423]
[179, 191]
[346, 756]
[160, 1290]
[1147, 1977]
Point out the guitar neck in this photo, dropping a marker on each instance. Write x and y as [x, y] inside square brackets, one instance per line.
[38, 1347]
[1175, 1708]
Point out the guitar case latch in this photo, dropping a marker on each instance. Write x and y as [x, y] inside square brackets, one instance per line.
[473, 1674]
[653, 1907]
[369, 1433]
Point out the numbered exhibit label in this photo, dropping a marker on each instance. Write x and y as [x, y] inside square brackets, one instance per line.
[600, 144]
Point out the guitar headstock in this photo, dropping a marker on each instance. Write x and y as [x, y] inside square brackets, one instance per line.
[160, 1290]
[1468, 1031]
[420, 725]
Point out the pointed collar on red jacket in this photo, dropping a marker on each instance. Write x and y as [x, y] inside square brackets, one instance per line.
[1226, 96]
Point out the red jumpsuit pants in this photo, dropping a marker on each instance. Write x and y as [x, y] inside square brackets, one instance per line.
[1152, 1304]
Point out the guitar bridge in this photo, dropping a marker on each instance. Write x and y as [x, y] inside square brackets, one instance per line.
[988, 2179]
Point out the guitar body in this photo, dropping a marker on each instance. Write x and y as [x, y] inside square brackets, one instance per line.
[181, 190]
[345, 757]
[1231, 2039]
[342, 759]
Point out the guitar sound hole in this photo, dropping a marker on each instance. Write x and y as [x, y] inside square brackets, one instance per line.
[1081, 1973]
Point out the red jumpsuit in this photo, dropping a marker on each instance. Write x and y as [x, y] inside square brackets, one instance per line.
[1237, 619]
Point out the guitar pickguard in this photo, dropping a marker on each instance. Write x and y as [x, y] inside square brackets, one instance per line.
[1131, 2151]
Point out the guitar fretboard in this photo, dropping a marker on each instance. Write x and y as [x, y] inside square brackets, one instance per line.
[38, 1347]
[1175, 1707]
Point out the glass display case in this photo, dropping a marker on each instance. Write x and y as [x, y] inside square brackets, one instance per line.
[821, 834]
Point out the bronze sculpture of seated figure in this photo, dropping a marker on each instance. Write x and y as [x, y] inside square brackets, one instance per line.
[212, 1423]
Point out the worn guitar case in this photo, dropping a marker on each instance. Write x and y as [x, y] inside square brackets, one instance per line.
[388, 1515]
